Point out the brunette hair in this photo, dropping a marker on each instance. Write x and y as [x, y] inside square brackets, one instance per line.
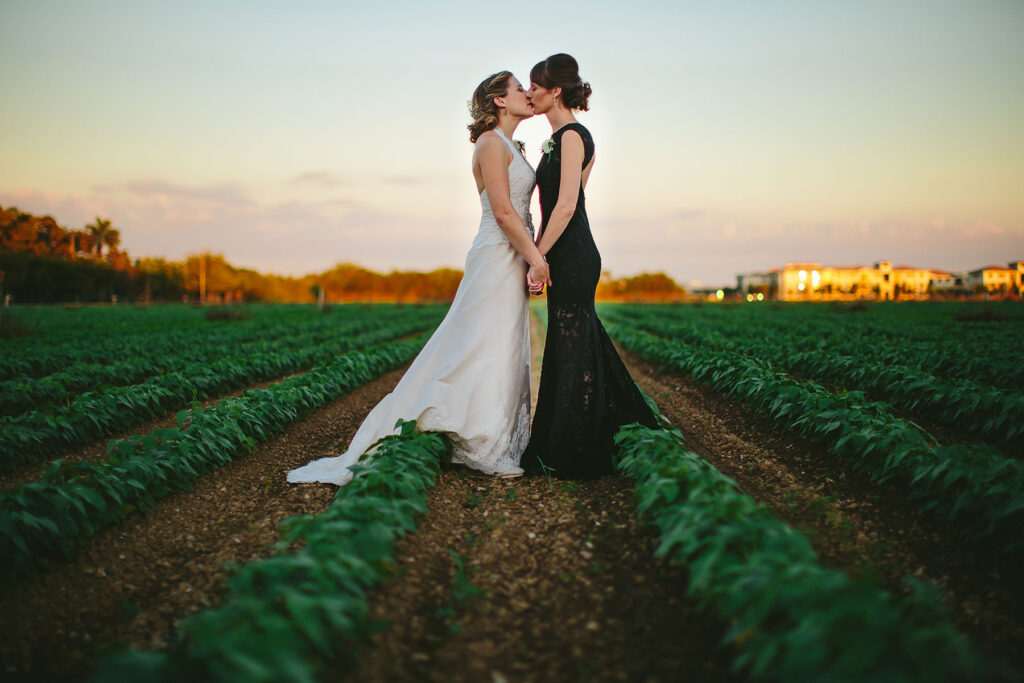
[482, 107]
[562, 71]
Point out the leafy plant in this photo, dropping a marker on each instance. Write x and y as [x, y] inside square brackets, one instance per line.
[32, 436]
[792, 619]
[289, 616]
[980, 491]
[45, 520]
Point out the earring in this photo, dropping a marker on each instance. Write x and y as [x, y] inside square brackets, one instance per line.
[504, 110]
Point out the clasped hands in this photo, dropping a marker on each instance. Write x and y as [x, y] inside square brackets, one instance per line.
[538, 276]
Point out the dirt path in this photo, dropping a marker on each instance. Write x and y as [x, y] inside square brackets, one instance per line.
[132, 582]
[854, 524]
[557, 583]
[536, 580]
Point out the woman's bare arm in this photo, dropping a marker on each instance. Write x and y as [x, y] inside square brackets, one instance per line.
[568, 190]
[492, 158]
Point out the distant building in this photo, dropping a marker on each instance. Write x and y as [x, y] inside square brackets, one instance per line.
[992, 279]
[811, 281]
[955, 283]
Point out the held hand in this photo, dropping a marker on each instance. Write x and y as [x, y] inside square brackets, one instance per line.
[534, 287]
[539, 274]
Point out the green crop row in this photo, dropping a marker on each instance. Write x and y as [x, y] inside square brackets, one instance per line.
[51, 351]
[791, 618]
[988, 356]
[984, 411]
[980, 491]
[178, 354]
[32, 436]
[288, 617]
[981, 410]
[68, 327]
[135, 333]
[45, 520]
[25, 393]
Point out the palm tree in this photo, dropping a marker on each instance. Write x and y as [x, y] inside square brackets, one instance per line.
[104, 234]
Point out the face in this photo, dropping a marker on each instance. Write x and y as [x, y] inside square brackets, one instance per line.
[515, 100]
[542, 98]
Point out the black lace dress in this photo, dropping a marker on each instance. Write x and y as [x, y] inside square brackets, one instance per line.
[586, 392]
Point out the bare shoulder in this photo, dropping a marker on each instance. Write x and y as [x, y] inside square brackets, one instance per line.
[571, 135]
[572, 140]
[488, 139]
[491, 149]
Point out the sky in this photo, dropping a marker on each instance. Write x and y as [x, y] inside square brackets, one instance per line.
[731, 136]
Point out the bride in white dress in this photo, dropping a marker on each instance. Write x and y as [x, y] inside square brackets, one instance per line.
[472, 378]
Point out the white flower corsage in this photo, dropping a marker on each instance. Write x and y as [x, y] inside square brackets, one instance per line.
[520, 145]
[547, 147]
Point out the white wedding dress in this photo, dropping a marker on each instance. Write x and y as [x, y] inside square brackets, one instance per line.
[472, 378]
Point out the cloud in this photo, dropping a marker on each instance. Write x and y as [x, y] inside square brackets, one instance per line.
[226, 193]
[328, 179]
[323, 178]
[686, 214]
[405, 180]
[158, 218]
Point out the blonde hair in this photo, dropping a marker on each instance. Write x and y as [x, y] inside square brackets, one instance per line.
[482, 107]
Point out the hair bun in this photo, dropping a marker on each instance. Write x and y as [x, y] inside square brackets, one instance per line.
[576, 96]
[562, 71]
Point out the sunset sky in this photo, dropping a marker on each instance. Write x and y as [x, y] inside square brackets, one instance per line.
[731, 136]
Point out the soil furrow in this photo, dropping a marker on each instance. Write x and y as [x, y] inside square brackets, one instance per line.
[97, 450]
[132, 582]
[537, 580]
[863, 527]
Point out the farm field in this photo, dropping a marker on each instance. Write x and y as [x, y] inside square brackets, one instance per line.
[144, 454]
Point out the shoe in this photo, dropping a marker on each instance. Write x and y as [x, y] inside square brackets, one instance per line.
[510, 474]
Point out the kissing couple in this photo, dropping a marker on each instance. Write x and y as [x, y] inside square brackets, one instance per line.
[471, 381]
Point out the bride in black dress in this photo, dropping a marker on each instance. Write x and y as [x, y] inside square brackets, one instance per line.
[586, 392]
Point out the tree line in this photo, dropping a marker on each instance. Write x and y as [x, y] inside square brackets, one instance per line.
[42, 261]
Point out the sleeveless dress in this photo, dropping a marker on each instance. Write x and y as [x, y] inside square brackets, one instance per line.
[472, 378]
[586, 392]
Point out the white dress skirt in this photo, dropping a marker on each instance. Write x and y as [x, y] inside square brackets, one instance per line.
[471, 380]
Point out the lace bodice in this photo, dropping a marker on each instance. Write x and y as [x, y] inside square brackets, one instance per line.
[521, 180]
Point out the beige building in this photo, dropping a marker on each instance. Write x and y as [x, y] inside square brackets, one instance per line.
[1002, 279]
[954, 283]
[882, 281]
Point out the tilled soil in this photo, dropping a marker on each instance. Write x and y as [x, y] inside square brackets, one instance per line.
[865, 528]
[97, 451]
[132, 582]
[536, 580]
[505, 579]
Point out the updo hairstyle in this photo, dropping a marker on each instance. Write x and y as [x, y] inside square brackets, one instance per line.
[562, 71]
[482, 107]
